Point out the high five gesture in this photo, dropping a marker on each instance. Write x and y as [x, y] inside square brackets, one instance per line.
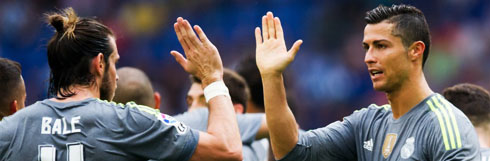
[203, 59]
[222, 140]
[272, 55]
[272, 58]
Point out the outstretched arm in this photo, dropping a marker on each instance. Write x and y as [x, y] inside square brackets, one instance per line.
[272, 58]
[222, 140]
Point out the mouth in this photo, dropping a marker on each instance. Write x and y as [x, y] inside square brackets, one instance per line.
[375, 73]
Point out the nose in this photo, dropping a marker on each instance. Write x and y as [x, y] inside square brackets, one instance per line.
[369, 57]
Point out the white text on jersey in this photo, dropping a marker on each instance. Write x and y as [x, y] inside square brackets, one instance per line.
[59, 126]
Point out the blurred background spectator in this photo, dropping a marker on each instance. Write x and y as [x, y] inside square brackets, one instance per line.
[328, 79]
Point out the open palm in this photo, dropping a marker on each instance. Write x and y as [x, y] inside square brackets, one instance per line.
[272, 56]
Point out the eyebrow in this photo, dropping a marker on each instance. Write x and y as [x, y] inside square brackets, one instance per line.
[375, 42]
[380, 41]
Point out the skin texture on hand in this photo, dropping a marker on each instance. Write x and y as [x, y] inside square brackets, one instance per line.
[271, 55]
[222, 139]
[272, 58]
[203, 59]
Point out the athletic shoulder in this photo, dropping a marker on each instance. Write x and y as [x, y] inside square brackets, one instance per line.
[442, 112]
[371, 113]
[133, 109]
[448, 132]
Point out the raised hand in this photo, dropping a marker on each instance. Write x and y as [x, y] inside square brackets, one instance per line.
[271, 55]
[203, 59]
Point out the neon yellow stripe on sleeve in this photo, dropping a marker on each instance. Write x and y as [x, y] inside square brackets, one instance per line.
[453, 119]
[441, 123]
[448, 123]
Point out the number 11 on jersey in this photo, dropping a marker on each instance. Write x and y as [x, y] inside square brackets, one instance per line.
[48, 152]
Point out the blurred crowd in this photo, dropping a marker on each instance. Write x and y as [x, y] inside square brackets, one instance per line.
[327, 81]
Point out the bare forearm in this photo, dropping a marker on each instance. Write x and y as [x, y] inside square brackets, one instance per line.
[222, 122]
[280, 120]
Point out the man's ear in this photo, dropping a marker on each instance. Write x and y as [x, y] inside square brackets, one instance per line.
[13, 107]
[238, 108]
[416, 51]
[158, 100]
[98, 64]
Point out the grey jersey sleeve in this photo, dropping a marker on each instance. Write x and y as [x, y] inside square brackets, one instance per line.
[462, 144]
[5, 137]
[333, 142]
[149, 134]
[248, 124]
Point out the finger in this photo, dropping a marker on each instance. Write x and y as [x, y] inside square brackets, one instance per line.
[279, 32]
[270, 25]
[179, 37]
[192, 36]
[265, 33]
[202, 35]
[185, 33]
[258, 38]
[179, 58]
[294, 50]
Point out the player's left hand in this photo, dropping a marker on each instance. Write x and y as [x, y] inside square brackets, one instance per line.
[272, 57]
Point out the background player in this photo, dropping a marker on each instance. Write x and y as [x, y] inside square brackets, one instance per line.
[77, 125]
[474, 101]
[417, 124]
[133, 81]
[134, 85]
[13, 93]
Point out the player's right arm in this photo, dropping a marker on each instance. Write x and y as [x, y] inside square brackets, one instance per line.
[272, 58]
[222, 140]
[333, 142]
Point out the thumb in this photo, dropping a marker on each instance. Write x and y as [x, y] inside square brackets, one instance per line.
[294, 50]
[179, 58]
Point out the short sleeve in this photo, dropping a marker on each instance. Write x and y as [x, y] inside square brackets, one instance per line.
[149, 134]
[248, 124]
[196, 119]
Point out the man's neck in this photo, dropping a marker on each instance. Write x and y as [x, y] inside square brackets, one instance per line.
[483, 135]
[412, 92]
[253, 108]
[81, 93]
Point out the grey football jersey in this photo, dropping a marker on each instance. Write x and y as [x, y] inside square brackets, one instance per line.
[260, 149]
[485, 154]
[248, 124]
[93, 130]
[432, 130]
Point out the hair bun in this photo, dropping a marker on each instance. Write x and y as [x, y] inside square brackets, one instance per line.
[58, 22]
[64, 22]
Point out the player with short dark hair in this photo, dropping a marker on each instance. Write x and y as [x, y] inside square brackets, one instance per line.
[13, 91]
[133, 81]
[252, 126]
[247, 68]
[474, 101]
[417, 124]
[136, 87]
[80, 123]
[239, 91]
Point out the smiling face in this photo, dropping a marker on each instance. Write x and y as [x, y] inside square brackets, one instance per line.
[386, 57]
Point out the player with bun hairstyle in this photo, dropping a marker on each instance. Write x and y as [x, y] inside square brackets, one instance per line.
[80, 123]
